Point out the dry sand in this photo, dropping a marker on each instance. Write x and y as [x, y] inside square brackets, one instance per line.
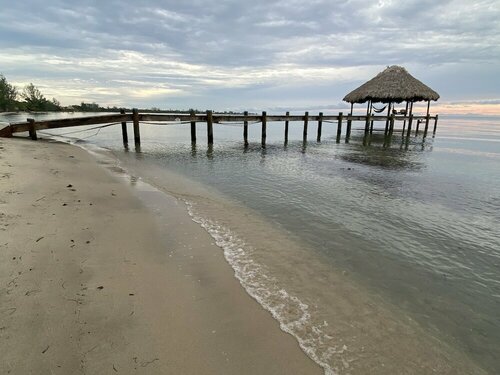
[92, 282]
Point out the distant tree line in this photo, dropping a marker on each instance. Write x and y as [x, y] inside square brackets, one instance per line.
[31, 99]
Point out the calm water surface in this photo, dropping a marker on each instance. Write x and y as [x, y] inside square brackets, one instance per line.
[415, 222]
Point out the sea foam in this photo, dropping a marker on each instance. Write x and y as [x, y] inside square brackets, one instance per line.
[293, 315]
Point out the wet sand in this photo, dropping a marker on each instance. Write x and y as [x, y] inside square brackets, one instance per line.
[92, 281]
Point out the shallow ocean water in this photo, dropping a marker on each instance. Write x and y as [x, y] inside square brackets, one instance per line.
[413, 224]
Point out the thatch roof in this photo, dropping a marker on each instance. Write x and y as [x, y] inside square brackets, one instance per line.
[395, 85]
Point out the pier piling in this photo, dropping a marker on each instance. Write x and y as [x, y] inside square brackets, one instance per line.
[137, 133]
[210, 128]
[306, 121]
[339, 127]
[264, 129]
[124, 129]
[410, 121]
[193, 126]
[435, 124]
[31, 129]
[286, 127]
[245, 128]
[320, 125]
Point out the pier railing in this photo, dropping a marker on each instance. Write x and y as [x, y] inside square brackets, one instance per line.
[209, 118]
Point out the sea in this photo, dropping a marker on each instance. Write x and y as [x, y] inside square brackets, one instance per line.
[368, 252]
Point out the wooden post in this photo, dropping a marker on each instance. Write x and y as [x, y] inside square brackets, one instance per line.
[388, 117]
[427, 118]
[193, 126]
[339, 127]
[264, 129]
[245, 128]
[406, 114]
[368, 110]
[320, 125]
[31, 129]
[124, 129]
[391, 126]
[435, 124]
[418, 126]
[306, 121]
[410, 121]
[137, 133]
[286, 128]
[210, 128]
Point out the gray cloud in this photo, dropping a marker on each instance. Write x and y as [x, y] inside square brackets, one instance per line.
[218, 52]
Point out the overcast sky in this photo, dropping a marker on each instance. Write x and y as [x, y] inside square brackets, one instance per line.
[248, 54]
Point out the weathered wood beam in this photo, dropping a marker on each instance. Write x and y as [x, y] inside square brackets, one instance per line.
[69, 122]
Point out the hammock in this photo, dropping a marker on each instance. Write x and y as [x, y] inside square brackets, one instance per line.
[378, 110]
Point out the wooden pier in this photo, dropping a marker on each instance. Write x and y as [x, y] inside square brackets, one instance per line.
[209, 119]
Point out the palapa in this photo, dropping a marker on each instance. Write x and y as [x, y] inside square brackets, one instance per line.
[393, 85]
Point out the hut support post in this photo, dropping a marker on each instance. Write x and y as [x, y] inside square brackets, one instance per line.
[32, 129]
[137, 133]
[264, 129]
[368, 110]
[427, 118]
[435, 125]
[406, 114]
[320, 125]
[409, 125]
[124, 130]
[286, 128]
[349, 123]
[193, 127]
[245, 129]
[306, 122]
[391, 126]
[339, 127]
[210, 128]
[388, 118]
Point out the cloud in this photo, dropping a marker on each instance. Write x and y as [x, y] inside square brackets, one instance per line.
[210, 51]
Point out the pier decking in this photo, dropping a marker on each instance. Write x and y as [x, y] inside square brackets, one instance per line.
[210, 119]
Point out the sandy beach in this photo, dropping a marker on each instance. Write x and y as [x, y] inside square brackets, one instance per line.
[93, 282]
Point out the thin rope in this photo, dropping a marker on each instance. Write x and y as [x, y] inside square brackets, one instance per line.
[85, 130]
[99, 128]
[166, 123]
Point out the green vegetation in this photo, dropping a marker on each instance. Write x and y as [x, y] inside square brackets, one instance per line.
[8, 95]
[33, 100]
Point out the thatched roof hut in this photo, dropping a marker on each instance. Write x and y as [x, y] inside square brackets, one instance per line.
[393, 85]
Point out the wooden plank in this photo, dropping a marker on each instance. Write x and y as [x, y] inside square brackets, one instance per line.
[6, 132]
[264, 129]
[124, 129]
[320, 125]
[69, 122]
[245, 129]
[210, 128]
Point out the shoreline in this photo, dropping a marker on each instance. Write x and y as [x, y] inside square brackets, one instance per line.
[94, 282]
